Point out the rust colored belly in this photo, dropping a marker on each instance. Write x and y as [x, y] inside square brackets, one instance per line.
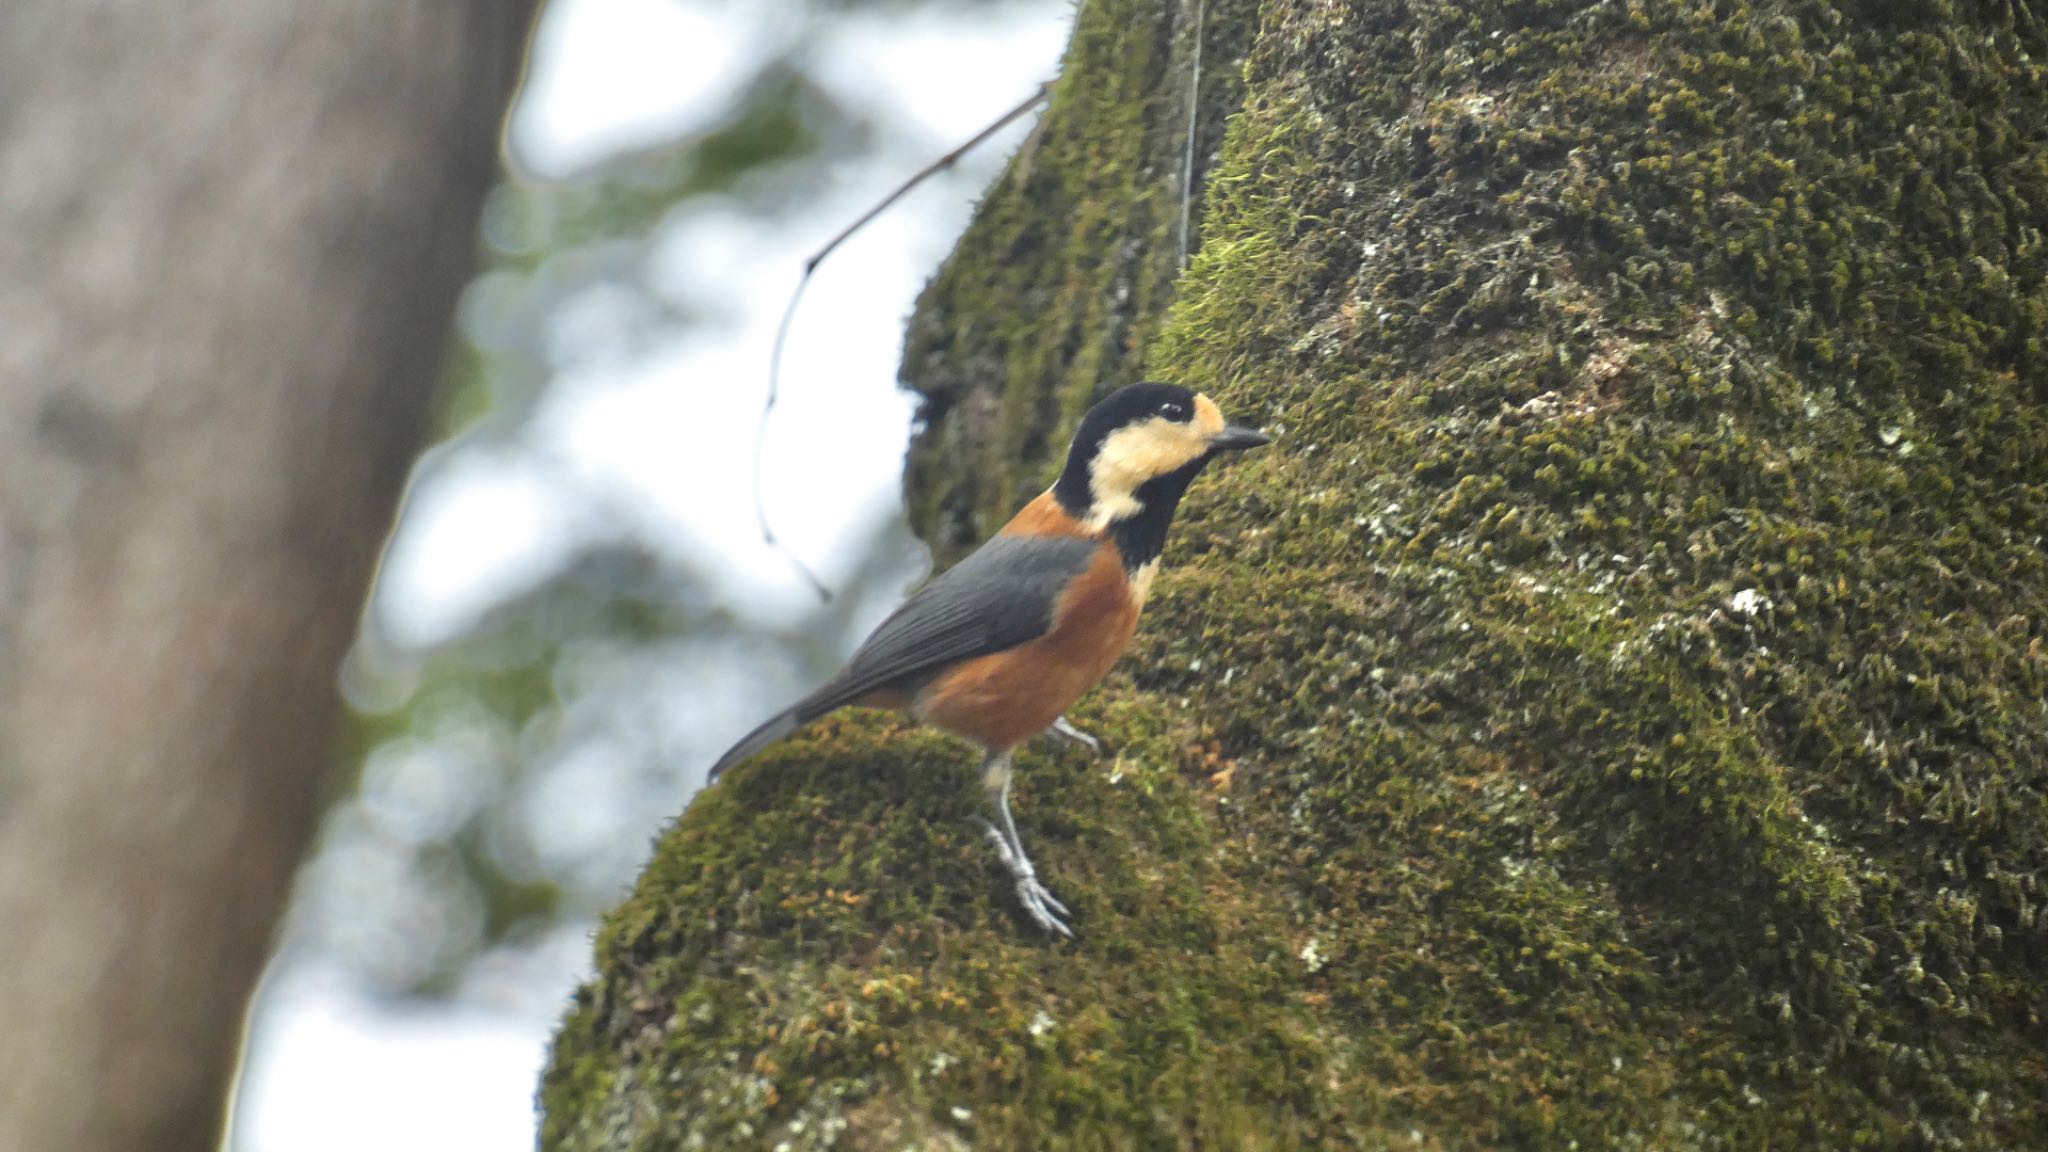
[1001, 700]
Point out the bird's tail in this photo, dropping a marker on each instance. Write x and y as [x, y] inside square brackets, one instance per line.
[832, 694]
[777, 726]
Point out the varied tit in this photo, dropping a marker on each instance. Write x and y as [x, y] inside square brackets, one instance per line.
[999, 646]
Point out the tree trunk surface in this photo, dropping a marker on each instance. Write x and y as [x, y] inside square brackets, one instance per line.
[231, 239]
[1610, 716]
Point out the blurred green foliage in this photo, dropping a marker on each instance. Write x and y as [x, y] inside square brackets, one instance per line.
[431, 853]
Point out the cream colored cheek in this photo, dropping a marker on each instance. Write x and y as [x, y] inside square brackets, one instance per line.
[1208, 417]
[1161, 447]
[1110, 508]
[1134, 455]
[1172, 447]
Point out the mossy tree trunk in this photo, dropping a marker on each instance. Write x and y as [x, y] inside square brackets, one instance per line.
[1612, 716]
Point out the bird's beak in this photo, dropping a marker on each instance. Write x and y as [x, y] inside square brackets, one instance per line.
[1236, 439]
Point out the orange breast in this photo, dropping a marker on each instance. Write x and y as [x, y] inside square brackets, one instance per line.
[1002, 700]
[1044, 517]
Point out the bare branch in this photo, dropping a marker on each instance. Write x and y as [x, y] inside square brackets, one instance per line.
[811, 267]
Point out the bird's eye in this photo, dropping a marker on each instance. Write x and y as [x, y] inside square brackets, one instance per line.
[1174, 410]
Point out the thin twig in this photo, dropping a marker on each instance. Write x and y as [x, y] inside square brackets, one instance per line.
[811, 267]
[761, 436]
[1187, 171]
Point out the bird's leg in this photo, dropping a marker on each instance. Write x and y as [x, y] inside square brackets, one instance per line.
[1064, 731]
[1043, 906]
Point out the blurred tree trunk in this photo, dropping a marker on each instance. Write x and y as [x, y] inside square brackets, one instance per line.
[1610, 716]
[231, 238]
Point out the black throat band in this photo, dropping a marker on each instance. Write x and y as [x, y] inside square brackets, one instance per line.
[1141, 536]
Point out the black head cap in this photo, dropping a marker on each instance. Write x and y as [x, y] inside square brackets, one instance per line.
[1134, 457]
[1131, 404]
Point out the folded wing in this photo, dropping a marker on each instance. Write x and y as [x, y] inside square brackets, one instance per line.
[1001, 596]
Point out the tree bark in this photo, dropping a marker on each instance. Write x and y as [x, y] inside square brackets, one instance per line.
[1610, 716]
[231, 239]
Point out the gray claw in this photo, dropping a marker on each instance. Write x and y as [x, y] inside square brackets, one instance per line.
[1052, 901]
[1063, 730]
[1041, 904]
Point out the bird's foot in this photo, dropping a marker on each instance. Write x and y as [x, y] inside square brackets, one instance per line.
[1043, 907]
[1064, 731]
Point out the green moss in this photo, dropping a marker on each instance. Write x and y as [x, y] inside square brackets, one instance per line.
[1689, 715]
[1628, 668]
[824, 945]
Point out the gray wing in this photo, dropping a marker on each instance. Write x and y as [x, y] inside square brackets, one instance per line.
[997, 598]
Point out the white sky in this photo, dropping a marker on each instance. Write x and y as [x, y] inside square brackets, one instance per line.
[671, 435]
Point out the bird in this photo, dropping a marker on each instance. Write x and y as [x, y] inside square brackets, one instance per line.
[999, 646]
